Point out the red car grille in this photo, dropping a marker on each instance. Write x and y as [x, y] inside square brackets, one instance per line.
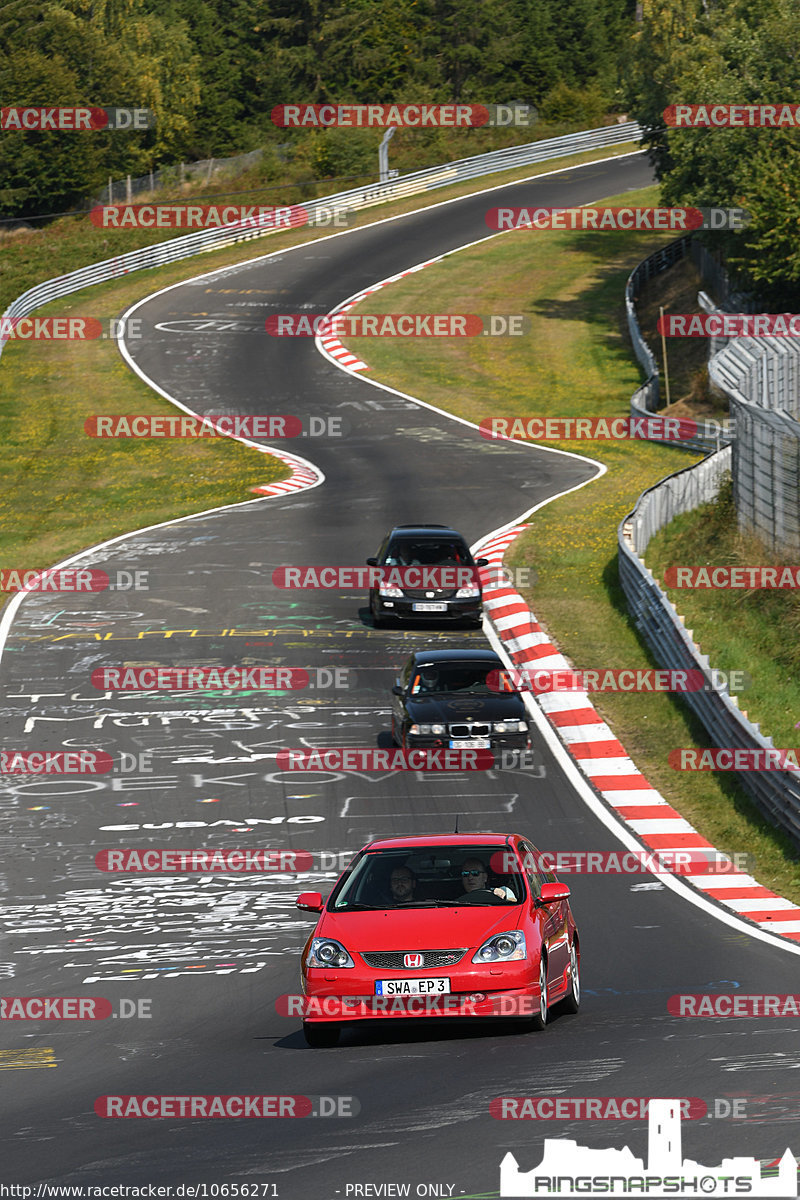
[393, 960]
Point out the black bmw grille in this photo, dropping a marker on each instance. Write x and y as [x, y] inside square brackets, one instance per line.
[469, 729]
[393, 960]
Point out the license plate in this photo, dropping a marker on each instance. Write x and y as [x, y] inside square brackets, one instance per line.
[470, 744]
[429, 607]
[411, 987]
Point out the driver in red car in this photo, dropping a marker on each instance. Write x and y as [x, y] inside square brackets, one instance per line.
[402, 885]
[474, 878]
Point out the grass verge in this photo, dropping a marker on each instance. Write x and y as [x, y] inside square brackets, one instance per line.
[576, 361]
[750, 630]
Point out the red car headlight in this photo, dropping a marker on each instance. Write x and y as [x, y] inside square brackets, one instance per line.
[326, 952]
[503, 947]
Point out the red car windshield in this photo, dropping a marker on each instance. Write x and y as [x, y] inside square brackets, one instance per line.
[430, 877]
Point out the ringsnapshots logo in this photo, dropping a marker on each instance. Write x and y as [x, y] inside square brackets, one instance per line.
[636, 220]
[407, 116]
[236, 425]
[732, 116]
[75, 119]
[570, 1170]
[398, 325]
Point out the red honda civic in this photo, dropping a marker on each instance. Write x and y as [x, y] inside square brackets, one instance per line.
[457, 925]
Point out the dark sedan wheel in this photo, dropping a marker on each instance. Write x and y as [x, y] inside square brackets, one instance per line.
[320, 1036]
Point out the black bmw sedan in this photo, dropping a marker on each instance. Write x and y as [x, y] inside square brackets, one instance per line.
[452, 698]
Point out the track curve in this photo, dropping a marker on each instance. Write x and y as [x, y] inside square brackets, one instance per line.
[213, 955]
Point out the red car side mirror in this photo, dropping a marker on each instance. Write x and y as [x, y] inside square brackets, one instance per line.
[552, 892]
[310, 901]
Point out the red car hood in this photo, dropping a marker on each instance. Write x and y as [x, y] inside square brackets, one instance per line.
[418, 928]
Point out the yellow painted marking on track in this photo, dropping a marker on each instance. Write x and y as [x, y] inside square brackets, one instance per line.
[406, 634]
[26, 1060]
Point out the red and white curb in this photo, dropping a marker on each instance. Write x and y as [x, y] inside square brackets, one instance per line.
[304, 475]
[605, 763]
[333, 348]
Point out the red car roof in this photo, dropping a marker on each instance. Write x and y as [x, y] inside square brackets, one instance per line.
[442, 839]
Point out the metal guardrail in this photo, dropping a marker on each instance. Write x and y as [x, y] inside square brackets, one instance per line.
[350, 201]
[646, 398]
[776, 793]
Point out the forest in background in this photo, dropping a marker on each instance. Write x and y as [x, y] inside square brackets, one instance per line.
[211, 71]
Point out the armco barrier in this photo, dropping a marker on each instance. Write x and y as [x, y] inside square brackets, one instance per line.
[175, 249]
[646, 398]
[776, 793]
